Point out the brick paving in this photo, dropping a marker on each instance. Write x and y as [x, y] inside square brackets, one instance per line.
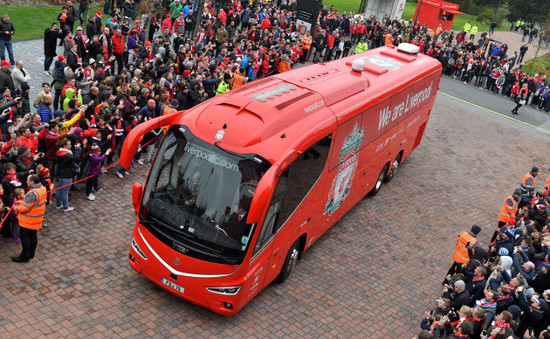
[513, 39]
[371, 276]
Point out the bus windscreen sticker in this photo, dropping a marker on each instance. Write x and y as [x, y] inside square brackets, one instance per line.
[381, 61]
[346, 170]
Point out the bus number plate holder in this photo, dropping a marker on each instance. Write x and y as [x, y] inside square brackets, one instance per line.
[172, 285]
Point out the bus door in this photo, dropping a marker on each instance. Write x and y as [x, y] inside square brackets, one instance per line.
[295, 207]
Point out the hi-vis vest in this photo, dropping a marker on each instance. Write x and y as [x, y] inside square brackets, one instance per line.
[508, 210]
[31, 216]
[361, 47]
[222, 88]
[547, 184]
[528, 183]
[167, 110]
[237, 81]
[461, 252]
[284, 66]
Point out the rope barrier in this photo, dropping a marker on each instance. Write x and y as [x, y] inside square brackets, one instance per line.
[75, 182]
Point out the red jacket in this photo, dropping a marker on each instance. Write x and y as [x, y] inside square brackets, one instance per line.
[118, 44]
[51, 147]
[31, 143]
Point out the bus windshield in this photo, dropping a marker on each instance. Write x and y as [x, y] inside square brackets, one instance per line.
[197, 197]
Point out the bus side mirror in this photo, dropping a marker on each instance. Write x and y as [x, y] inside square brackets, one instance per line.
[262, 196]
[137, 192]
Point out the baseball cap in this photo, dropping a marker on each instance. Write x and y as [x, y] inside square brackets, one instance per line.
[98, 13]
[5, 63]
[460, 284]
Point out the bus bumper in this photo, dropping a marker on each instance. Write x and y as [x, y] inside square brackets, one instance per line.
[190, 289]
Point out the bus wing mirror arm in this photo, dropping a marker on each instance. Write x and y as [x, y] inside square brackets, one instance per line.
[262, 195]
[136, 135]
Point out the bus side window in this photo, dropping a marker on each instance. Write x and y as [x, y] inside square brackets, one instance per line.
[303, 173]
[292, 187]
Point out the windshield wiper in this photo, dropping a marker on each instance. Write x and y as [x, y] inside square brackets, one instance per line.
[246, 156]
[228, 260]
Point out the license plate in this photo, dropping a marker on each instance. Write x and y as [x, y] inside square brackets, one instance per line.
[172, 285]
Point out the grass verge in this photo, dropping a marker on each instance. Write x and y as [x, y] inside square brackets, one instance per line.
[31, 21]
[540, 65]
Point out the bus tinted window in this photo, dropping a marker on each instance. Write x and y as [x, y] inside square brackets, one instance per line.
[293, 186]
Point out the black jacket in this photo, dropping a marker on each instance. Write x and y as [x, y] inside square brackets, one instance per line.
[65, 163]
[72, 61]
[50, 41]
[6, 80]
[91, 29]
[6, 27]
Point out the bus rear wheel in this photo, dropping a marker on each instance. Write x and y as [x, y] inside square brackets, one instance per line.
[290, 261]
[394, 168]
[379, 181]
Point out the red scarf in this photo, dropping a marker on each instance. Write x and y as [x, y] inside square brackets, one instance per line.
[487, 304]
[105, 44]
[503, 298]
[502, 324]
[87, 74]
[478, 278]
[13, 179]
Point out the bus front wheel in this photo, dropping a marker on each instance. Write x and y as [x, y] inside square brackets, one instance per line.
[290, 261]
[379, 181]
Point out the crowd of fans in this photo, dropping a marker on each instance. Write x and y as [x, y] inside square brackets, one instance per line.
[501, 290]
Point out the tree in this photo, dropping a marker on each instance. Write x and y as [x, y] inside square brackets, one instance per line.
[150, 8]
[529, 10]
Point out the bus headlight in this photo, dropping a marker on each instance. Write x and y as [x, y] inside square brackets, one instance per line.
[229, 290]
[138, 250]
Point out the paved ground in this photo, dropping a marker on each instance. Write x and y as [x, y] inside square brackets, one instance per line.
[372, 275]
[513, 39]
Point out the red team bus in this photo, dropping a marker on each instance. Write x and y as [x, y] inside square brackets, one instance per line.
[245, 182]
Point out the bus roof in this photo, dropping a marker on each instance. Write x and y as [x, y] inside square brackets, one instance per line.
[271, 115]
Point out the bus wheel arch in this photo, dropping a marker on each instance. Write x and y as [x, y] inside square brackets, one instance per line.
[380, 180]
[290, 261]
[394, 166]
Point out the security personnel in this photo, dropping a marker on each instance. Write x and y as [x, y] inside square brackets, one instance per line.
[224, 84]
[238, 79]
[30, 215]
[284, 64]
[509, 208]
[467, 27]
[388, 40]
[306, 45]
[547, 184]
[169, 109]
[528, 182]
[362, 46]
[473, 32]
[464, 241]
